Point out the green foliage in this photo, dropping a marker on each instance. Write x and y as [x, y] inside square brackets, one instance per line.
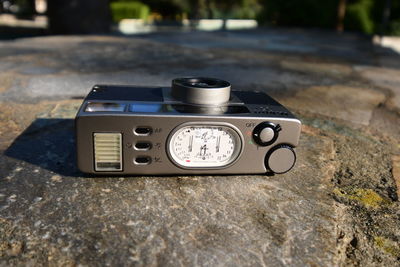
[170, 9]
[236, 9]
[197, 9]
[394, 27]
[129, 9]
[246, 9]
[233, 9]
[366, 16]
[24, 8]
[359, 16]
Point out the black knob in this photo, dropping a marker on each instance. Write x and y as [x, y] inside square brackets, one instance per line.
[280, 158]
[266, 133]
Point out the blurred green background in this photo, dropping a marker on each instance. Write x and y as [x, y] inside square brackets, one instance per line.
[366, 16]
[360, 15]
[193, 9]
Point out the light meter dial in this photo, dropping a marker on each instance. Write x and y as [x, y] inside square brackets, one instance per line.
[204, 145]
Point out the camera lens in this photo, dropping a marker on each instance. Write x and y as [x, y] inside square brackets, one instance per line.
[201, 90]
[200, 82]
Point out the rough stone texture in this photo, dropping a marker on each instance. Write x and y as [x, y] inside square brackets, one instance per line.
[338, 207]
[396, 171]
[207, 220]
[319, 68]
[334, 101]
[385, 78]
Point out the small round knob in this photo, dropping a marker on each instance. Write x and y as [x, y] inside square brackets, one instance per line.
[280, 159]
[266, 133]
[201, 91]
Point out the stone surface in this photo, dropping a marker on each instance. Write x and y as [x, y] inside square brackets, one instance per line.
[176, 220]
[347, 103]
[338, 207]
[396, 171]
[384, 78]
[318, 68]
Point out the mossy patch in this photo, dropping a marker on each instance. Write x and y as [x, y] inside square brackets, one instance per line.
[388, 246]
[366, 197]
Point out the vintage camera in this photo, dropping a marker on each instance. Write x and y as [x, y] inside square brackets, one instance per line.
[197, 126]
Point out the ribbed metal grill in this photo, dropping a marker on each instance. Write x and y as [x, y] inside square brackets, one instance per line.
[108, 151]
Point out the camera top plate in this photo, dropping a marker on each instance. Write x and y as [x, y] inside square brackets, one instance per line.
[241, 103]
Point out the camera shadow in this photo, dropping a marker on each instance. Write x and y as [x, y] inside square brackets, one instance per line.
[49, 144]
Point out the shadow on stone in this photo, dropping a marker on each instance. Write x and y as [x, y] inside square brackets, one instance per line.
[9, 32]
[49, 144]
[388, 57]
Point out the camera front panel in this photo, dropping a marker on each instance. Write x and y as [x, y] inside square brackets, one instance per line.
[161, 144]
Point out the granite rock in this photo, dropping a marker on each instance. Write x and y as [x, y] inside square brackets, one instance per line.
[388, 79]
[352, 104]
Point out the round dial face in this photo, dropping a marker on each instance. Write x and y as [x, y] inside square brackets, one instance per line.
[208, 146]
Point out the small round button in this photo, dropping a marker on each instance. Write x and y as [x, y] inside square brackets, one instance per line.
[280, 159]
[266, 133]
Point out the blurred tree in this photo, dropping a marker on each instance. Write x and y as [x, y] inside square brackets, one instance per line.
[236, 9]
[340, 15]
[79, 16]
[168, 9]
[308, 13]
[359, 16]
[124, 9]
[367, 16]
[386, 16]
[387, 13]
[26, 9]
[200, 9]
[394, 22]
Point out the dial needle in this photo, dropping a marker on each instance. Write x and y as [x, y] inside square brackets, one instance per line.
[191, 143]
[218, 142]
[204, 149]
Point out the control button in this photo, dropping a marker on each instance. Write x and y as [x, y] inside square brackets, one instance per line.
[143, 160]
[266, 133]
[143, 131]
[143, 146]
[280, 159]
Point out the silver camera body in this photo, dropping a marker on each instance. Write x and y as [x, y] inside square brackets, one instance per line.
[196, 126]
